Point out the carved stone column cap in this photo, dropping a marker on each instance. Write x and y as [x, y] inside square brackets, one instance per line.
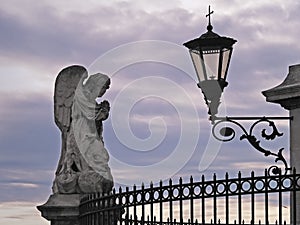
[62, 209]
[287, 94]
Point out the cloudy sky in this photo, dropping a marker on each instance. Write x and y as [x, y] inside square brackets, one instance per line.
[158, 127]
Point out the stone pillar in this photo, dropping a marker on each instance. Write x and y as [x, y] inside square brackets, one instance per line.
[287, 94]
[61, 209]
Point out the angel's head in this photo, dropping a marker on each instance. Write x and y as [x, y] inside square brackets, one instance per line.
[96, 86]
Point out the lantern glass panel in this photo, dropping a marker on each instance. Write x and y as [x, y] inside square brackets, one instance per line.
[198, 64]
[211, 61]
[225, 62]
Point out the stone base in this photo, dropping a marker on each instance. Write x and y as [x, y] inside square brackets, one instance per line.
[61, 209]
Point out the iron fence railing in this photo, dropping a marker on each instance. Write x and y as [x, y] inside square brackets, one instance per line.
[261, 199]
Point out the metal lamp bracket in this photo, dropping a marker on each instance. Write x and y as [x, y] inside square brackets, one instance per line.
[223, 130]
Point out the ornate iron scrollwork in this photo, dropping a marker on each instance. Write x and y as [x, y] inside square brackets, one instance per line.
[227, 133]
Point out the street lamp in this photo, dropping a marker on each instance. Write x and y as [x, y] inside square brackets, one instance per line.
[211, 56]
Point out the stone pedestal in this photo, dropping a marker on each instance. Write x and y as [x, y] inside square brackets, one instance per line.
[287, 94]
[61, 209]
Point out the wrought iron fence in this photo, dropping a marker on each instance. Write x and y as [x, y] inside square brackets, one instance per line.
[261, 199]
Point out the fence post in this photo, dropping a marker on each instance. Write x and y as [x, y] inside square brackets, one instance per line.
[287, 94]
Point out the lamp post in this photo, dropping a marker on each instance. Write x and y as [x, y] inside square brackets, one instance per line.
[211, 54]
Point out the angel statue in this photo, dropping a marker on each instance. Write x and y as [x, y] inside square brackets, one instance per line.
[83, 164]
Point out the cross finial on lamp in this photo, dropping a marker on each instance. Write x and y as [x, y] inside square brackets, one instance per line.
[209, 27]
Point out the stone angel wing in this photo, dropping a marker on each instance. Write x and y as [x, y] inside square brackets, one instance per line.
[65, 86]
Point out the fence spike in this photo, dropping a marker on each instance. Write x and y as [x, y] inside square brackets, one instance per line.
[266, 172]
[280, 171]
[226, 175]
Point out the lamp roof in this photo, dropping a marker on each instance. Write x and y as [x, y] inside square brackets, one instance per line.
[210, 39]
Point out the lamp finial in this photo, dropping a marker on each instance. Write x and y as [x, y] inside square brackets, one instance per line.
[209, 27]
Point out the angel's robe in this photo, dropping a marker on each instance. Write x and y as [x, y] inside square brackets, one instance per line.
[90, 145]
